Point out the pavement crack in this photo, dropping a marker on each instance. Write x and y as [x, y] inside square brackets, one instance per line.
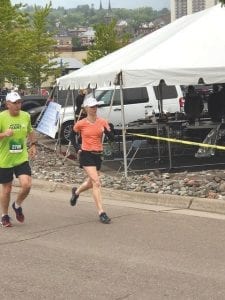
[127, 215]
[124, 297]
[39, 234]
[171, 209]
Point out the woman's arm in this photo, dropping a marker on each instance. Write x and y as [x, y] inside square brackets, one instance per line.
[109, 132]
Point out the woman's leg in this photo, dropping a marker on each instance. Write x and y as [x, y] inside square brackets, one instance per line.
[93, 177]
[86, 185]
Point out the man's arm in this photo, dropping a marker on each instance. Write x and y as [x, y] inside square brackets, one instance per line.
[7, 133]
[32, 140]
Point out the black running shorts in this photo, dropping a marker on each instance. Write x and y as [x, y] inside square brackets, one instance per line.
[89, 158]
[6, 174]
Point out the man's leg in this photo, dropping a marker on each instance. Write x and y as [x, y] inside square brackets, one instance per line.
[5, 197]
[25, 186]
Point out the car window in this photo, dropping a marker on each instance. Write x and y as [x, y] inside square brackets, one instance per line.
[130, 96]
[168, 92]
[135, 95]
[106, 96]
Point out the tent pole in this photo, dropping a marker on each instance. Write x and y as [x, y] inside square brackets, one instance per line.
[111, 103]
[161, 83]
[60, 122]
[74, 115]
[123, 126]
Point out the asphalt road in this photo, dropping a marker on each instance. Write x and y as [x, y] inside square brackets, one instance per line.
[147, 252]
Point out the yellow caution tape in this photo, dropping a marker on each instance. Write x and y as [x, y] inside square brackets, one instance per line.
[178, 141]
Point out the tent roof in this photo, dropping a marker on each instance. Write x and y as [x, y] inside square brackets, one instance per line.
[182, 52]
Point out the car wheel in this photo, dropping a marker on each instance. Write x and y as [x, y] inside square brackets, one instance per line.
[65, 131]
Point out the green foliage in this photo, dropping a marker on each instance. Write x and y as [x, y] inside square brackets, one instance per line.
[106, 41]
[12, 25]
[222, 2]
[27, 42]
[40, 45]
[76, 42]
[84, 15]
[26, 46]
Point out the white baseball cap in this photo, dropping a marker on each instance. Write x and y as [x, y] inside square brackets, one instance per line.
[90, 101]
[13, 97]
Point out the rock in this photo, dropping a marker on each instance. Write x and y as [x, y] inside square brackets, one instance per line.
[212, 195]
[217, 179]
[205, 184]
[222, 187]
[193, 182]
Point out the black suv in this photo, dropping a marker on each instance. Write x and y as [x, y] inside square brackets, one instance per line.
[30, 103]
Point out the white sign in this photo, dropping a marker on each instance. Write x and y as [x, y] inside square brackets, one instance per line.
[49, 121]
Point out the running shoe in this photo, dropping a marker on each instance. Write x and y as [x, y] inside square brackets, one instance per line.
[74, 197]
[104, 218]
[5, 221]
[19, 213]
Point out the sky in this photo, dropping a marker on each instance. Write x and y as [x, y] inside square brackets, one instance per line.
[155, 4]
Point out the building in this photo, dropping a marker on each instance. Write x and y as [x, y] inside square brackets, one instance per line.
[68, 64]
[87, 37]
[64, 43]
[181, 8]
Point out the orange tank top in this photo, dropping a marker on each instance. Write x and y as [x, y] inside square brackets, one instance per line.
[91, 133]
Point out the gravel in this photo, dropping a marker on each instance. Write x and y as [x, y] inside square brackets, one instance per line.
[53, 167]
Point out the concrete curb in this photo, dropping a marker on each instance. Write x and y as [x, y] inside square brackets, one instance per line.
[181, 202]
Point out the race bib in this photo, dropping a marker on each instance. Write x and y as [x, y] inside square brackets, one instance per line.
[15, 147]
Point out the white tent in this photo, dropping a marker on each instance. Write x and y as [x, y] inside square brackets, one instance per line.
[182, 52]
[187, 51]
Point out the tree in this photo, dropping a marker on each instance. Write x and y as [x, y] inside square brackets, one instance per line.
[76, 42]
[222, 2]
[105, 42]
[39, 54]
[26, 48]
[84, 15]
[12, 26]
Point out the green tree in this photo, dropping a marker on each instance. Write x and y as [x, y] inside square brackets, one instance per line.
[12, 26]
[39, 54]
[84, 15]
[26, 48]
[222, 2]
[106, 41]
[76, 42]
